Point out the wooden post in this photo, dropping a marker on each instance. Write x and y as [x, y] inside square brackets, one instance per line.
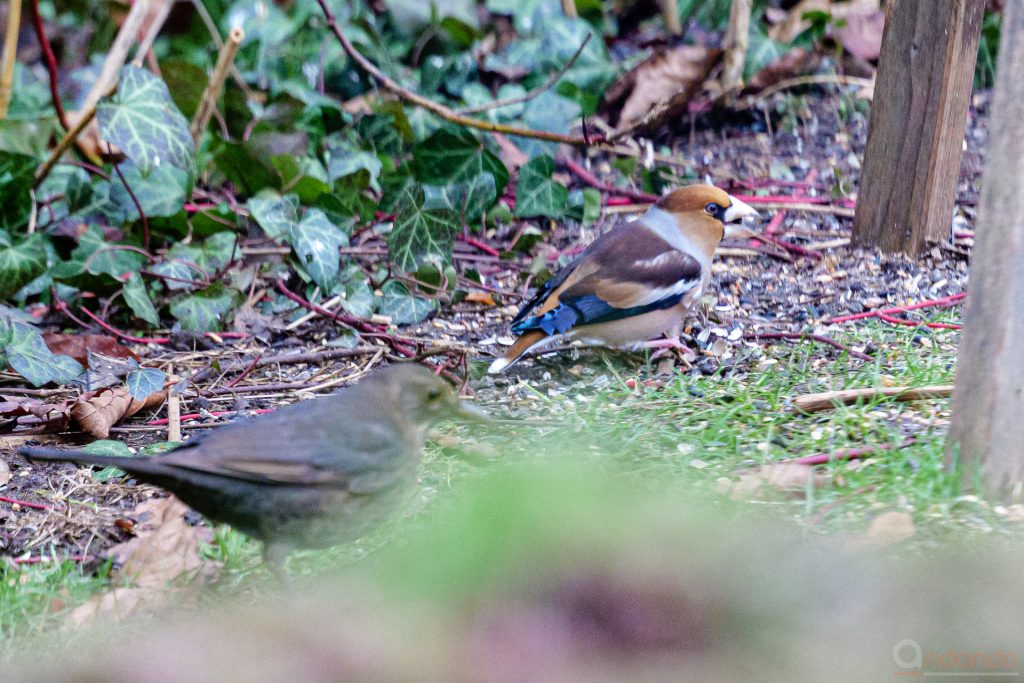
[737, 37]
[918, 116]
[987, 432]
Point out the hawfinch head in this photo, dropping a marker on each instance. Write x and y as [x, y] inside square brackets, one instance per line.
[707, 214]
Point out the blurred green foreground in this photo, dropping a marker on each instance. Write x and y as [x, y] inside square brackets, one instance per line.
[566, 573]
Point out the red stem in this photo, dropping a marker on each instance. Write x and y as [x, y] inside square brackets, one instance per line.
[914, 323]
[847, 454]
[118, 333]
[946, 301]
[215, 413]
[472, 241]
[245, 373]
[51, 63]
[26, 504]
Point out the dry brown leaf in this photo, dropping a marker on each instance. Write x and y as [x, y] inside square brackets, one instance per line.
[78, 346]
[861, 36]
[98, 411]
[5, 473]
[485, 298]
[164, 551]
[888, 528]
[674, 75]
[790, 477]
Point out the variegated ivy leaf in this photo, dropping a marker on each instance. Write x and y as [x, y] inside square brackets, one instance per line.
[20, 262]
[28, 355]
[277, 215]
[421, 235]
[145, 381]
[402, 306]
[204, 310]
[316, 241]
[537, 194]
[143, 121]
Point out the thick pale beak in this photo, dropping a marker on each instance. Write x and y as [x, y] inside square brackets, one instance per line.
[738, 210]
[734, 216]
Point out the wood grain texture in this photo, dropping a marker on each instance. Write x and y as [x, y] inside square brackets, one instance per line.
[828, 400]
[987, 431]
[918, 117]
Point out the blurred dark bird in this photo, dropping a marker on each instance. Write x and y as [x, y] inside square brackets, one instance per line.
[309, 475]
[635, 282]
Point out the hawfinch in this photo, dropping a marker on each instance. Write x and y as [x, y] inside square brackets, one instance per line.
[636, 281]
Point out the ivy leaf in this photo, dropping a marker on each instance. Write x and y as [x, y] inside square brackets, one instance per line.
[20, 262]
[402, 306]
[356, 296]
[344, 162]
[137, 298]
[108, 447]
[551, 112]
[420, 235]
[142, 119]
[17, 173]
[160, 193]
[277, 215]
[203, 311]
[456, 156]
[145, 381]
[537, 194]
[28, 355]
[469, 200]
[762, 50]
[316, 240]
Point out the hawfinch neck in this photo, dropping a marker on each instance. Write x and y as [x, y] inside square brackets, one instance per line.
[683, 231]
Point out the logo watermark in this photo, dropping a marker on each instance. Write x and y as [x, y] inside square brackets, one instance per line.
[913, 660]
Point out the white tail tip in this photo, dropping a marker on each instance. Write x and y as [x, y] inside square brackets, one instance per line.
[497, 366]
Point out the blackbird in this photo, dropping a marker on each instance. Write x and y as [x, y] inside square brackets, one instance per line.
[309, 475]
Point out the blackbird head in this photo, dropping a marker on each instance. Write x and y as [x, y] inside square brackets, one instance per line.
[423, 396]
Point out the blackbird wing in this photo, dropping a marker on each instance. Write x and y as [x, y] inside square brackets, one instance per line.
[338, 441]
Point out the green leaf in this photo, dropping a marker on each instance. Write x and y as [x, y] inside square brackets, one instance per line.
[17, 173]
[145, 381]
[402, 306]
[470, 200]
[143, 121]
[537, 194]
[456, 156]
[203, 311]
[549, 112]
[137, 298]
[160, 193]
[761, 51]
[316, 242]
[27, 354]
[95, 256]
[20, 262]
[108, 447]
[420, 235]
[344, 162]
[356, 296]
[277, 215]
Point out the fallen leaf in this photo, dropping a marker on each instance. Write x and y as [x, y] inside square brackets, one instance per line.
[80, 346]
[790, 477]
[888, 528]
[5, 473]
[668, 76]
[98, 411]
[485, 298]
[164, 551]
[861, 35]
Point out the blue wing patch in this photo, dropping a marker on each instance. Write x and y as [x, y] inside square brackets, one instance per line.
[590, 309]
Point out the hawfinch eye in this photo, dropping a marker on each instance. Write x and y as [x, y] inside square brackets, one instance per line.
[714, 209]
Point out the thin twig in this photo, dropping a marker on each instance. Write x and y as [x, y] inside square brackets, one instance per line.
[9, 56]
[436, 108]
[65, 142]
[23, 503]
[554, 78]
[215, 86]
[138, 205]
[943, 302]
[812, 79]
[803, 336]
[827, 400]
